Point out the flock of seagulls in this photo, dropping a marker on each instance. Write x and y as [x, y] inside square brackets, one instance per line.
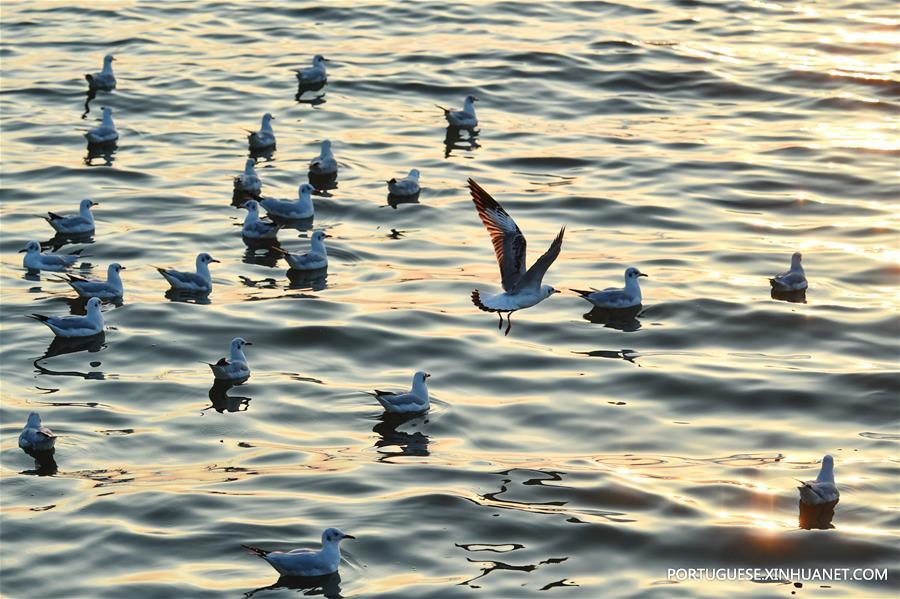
[522, 285]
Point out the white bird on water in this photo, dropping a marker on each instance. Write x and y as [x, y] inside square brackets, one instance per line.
[315, 259]
[614, 298]
[248, 182]
[793, 279]
[104, 80]
[35, 437]
[465, 118]
[77, 224]
[109, 289]
[306, 562]
[235, 367]
[36, 260]
[314, 75]
[324, 164]
[75, 326]
[413, 402]
[106, 132]
[822, 490]
[408, 186]
[521, 288]
[265, 137]
[256, 228]
[198, 282]
[300, 209]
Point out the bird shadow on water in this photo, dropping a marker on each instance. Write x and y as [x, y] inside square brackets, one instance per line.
[328, 586]
[454, 140]
[102, 150]
[409, 444]
[622, 320]
[63, 345]
[222, 402]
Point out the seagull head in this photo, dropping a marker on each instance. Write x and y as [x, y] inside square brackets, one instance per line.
[31, 246]
[471, 99]
[421, 377]
[267, 118]
[332, 536]
[87, 204]
[318, 60]
[107, 114]
[205, 258]
[239, 343]
[326, 145]
[109, 58]
[251, 205]
[93, 304]
[306, 190]
[795, 259]
[34, 420]
[547, 291]
[115, 267]
[632, 274]
[414, 174]
[320, 236]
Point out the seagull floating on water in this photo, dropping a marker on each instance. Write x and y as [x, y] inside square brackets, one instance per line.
[465, 118]
[793, 279]
[248, 182]
[521, 288]
[190, 282]
[109, 289]
[36, 260]
[75, 326]
[235, 367]
[315, 259]
[300, 209]
[614, 298]
[413, 402]
[106, 132]
[104, 80]
[265, 137]
[822, 490]
[324, 165]
[36, 438]
[255, 227]
[306, 562]
[78, 224]
[314, 75]
[408, 186]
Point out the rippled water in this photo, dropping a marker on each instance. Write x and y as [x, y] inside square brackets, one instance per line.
[703, 142]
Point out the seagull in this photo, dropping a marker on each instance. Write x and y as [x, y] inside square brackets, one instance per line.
[35, 437]
[521, 288]
[199, 282]
[79, 224]
[614, 298]
[413, 402]
[324, 164]
[35, 260]
[465, 118]
[104, 80]
[248, 182]
[75, 326]
[265, 137]
[112, 288]
[300, 209]
[234, 367]
[405, 187]
[106, 132]
[317, 257]
[822, 490]
[306, 562]
[255, 227]
[314, 75]
[793, 279]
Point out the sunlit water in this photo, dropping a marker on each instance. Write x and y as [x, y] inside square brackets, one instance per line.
[702, 142]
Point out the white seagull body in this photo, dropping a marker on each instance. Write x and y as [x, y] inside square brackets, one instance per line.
[314, 75]
[822, 490]
[248, 182]
[234, 367]
[104, 80]
[521, 288]
[75, 326]
[106, 132]
[35, 437]
[408, 186]
[109, 289]
[36, 260]
[465, 118]
[614, 298]
[256, 228]
[190, 282]
[300, 209]
[315, 259]
[793, 279]
[413, 402]
[306, 562]
[265, 137]
[77, 224]
[324, 164]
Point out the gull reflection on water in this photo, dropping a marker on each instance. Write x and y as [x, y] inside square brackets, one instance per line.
[794, 297]
[328, 586]
[44, 464]
[395, 200]
[817, 516]
[64, 345]
[103, 150]
[316, 280]
[454, 140]
[623, 320]
[409, 444]
[222, 402]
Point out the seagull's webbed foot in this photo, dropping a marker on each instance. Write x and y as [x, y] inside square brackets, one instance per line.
[508, 323]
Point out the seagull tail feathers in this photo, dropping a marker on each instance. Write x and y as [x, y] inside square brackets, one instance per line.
[38, 317]
[581, 292]
[446, 110]
[256, 550]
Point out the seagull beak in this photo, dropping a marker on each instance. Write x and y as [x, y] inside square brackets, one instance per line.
[214, 260]
[23, 250]
[95, 203]
[640, 274]
[348, 537]
[122, 268]
[427, 375]
[248, 343]
[327, 236]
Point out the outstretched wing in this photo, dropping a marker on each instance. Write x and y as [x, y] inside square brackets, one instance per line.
[534, 276]
[509, 243]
